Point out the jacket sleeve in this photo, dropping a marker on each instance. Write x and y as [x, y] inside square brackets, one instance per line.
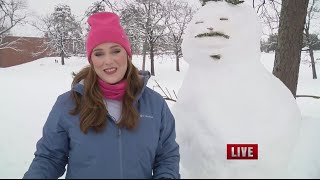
[51, 154]
[167, 158]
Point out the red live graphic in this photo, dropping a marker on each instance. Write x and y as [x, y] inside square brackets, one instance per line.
[242, 151]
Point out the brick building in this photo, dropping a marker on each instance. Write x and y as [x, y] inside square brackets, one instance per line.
[27, 46]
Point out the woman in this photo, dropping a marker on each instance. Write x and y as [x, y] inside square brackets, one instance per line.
[110, 125]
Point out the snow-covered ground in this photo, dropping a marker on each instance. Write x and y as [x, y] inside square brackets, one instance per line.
[28, 92]
[306, 162]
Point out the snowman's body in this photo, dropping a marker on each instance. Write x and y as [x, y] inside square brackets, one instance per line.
[229, 106]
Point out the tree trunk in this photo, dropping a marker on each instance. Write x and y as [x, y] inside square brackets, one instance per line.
[313, 64]
[74, 47]
[288, 53]
[177, 61]
[62, 57]
[144, 53]
[310, 50]
[152, 59]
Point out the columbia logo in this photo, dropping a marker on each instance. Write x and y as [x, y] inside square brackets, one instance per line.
[146, 116]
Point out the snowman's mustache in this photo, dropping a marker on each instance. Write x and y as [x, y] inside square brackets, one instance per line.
[216, 56]
[211, 34]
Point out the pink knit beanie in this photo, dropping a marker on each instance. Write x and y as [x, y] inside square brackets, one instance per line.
[106, 27]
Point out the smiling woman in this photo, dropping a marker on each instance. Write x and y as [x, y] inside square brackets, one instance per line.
[110, 124]
[110, 62]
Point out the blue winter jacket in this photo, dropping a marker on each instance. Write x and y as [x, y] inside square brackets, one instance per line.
[150, 151]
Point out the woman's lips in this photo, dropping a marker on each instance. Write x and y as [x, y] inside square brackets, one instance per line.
[110, 71]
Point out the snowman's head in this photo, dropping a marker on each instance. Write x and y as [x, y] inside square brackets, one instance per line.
[222, 31]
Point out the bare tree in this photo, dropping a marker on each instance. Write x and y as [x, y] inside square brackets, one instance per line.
[180, 15]
[269, 13]
[155, 23]
[11, 14]
[288, 53]
[146, 21]
[312, 12]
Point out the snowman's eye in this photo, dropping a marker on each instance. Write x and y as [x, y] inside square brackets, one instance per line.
[224, 19]
[198, 22]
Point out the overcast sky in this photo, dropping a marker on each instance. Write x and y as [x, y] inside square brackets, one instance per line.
[40, 8]
[77, 6]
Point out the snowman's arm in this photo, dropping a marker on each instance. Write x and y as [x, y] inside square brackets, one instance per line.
[167, 158]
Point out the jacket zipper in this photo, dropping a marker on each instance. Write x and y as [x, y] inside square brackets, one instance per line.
[119, 145]
[120, 149]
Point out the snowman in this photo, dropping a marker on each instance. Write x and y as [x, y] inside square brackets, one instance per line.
[229, 97]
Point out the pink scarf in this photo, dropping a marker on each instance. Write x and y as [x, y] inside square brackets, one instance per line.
[112, 91]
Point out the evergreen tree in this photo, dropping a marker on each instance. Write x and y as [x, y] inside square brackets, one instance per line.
[64, 32]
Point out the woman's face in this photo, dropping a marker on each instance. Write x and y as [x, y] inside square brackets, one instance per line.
[110, 62]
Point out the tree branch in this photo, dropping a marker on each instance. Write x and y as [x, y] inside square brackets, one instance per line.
[166, 97]
[312, 96]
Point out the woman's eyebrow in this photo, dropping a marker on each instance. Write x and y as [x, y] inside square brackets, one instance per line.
[114, 46]
[97, 50]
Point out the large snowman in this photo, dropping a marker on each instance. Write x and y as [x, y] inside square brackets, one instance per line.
[229, 97]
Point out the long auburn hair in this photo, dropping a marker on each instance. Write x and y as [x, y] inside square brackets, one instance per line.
[90, 105]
